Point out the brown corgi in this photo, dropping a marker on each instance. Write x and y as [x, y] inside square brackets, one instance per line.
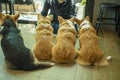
[43, 36]
[64, 50]
[90, 52]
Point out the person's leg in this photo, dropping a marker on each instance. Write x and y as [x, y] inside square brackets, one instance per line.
[76, 27]
[55, 27]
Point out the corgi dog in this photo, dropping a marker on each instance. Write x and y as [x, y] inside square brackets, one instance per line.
[17, 55]
[43, 35]
[64, 50]
[90, 52]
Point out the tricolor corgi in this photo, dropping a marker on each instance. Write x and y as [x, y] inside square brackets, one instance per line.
[17, 55]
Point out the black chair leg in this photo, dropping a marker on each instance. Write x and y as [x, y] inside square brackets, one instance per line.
[99, 20]
[6, 8]
[116, 19]
[10, 7]
[0, 7]
[33, 6]
[13, 9]
[97, 27]
[119, 30]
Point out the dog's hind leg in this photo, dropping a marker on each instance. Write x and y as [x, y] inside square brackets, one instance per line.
[10, 65]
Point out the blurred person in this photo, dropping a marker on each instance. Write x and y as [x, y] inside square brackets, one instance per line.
[64, 8]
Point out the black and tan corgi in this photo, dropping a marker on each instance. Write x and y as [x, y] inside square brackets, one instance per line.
[17, 55]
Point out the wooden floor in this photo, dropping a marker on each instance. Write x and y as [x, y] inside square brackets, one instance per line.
[109, 43]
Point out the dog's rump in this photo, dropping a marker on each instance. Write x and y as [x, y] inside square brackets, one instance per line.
[20, 58]
[14, 51]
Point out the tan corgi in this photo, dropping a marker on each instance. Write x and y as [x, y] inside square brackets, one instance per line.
[64, 50]
[90, 52]
[43, 36]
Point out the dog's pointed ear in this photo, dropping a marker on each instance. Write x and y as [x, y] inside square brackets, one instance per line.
[72, 19]
[15, 17]
[50, 17]
[39, 16]
[87, 18]
[61, 19]
[78, 21]
[2, 17]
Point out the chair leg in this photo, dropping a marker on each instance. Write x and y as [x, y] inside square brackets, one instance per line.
[12, 6]
[119, 30]
[33, 6]
[97, 26]
[0, 7]
[116, 18]
[99, 20]
[6, 8]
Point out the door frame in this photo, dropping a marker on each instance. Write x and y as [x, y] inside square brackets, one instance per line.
[89, 9]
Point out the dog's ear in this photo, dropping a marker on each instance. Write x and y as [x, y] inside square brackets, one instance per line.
[2, 17]
[15, 17]
[61, 19]
[39, 16]
[87, 18]
[50, 17]
[72, 19]
[78, 21]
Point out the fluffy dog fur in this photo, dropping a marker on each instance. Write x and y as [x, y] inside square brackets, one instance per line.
[17, 55]
[43, 35]
[64, 50]
[90, 53]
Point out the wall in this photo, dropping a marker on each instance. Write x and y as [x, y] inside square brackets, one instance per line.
[96, 8]
[78, 1]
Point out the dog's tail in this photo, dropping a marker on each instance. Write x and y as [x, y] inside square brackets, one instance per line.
[109, 58]
[35, 66]
[105, 60]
